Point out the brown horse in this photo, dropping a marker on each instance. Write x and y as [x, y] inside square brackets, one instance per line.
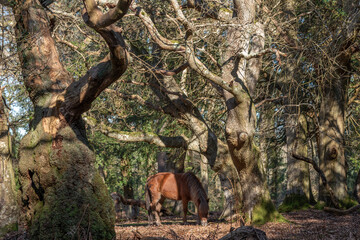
[178, 186]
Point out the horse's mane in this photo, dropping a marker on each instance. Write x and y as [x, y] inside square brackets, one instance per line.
[195, 188]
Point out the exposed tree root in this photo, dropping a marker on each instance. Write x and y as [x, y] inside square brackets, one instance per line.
[341, 212]
[245, 232]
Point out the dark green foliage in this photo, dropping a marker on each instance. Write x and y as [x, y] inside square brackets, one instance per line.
[123, 163]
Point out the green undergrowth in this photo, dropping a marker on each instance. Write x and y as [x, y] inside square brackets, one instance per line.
[346, 203]
[266, 212]
[320, 205]
[294, 202]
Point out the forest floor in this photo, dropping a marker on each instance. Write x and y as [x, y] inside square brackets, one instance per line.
[303, 224]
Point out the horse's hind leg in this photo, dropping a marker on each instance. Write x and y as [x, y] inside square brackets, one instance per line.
[156, 198]
[157, 211]
[185, 209]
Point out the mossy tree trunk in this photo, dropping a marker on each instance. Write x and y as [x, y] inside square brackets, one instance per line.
[9, 211]
[62, 195]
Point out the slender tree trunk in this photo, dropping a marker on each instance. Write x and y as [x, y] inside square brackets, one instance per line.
[357, 187]
[9, 211]
[161, 161]
[131, 211]
[204, 172]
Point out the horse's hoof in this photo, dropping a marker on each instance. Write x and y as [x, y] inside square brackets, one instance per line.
[158, 224]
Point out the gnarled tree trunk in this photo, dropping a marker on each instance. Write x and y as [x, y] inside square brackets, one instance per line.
[240, 124]
[62, 194]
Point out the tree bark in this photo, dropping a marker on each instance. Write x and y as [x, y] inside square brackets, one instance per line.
[242, 75]
[131, 211]
[297, 171]
[334, 102]
[332, 130]
[357, 187]
[62, 194]
[9, 210]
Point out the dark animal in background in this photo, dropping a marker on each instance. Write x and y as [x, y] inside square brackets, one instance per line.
[178, 186]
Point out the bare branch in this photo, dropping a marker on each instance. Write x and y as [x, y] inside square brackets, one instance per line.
[171, 72]
[75, 48]
[268, 100]
[163, 42]
[99, 20]
[200, 68]
[181, 17]
[262, 53]
[356, 94]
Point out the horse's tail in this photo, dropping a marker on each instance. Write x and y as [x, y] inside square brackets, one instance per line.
[147, 197]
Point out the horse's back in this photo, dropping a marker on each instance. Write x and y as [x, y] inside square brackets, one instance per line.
[166, 183]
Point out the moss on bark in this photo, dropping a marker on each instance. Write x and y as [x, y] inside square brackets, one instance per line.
[294, 202]
[264, 212]
[63, 195]
[8, 228]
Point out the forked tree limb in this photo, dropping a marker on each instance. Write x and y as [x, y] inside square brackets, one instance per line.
[325, 183]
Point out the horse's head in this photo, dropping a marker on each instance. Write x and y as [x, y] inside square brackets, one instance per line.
[203, 210]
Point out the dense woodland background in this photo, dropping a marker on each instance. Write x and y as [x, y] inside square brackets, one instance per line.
[251, 96]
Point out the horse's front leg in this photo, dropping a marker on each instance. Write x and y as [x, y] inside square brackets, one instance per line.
[185, 209]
